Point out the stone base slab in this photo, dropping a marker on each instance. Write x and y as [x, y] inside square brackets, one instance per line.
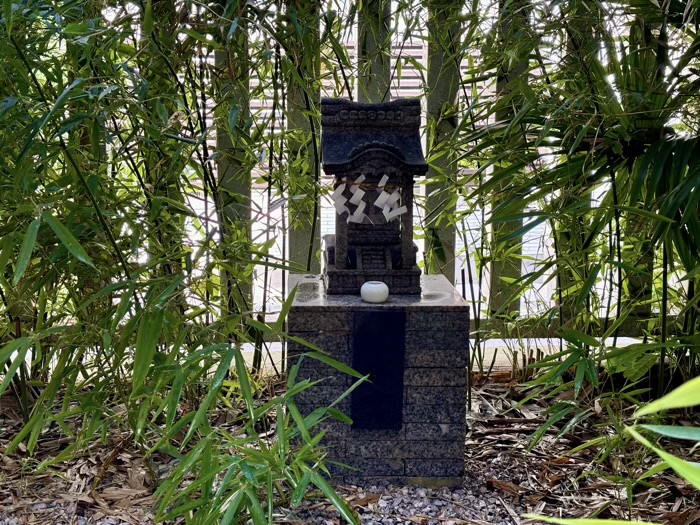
[428, 449]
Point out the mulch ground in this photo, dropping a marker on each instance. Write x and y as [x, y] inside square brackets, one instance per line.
[112, 484]
[601, 480]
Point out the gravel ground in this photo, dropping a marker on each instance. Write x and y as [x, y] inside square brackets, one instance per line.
[391, 505]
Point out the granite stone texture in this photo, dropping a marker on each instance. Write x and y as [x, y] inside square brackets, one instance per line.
[435, 377]
[428, 449]
[433, 413]
[435, 467]
[450, 395]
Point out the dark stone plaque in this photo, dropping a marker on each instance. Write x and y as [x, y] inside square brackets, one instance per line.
[378, 346]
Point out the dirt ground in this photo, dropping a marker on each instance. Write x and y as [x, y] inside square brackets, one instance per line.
[112, 483]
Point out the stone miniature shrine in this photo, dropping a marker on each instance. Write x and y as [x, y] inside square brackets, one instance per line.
[373, 151]
[409, 420]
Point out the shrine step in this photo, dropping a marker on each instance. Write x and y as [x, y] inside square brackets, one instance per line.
[373, 258]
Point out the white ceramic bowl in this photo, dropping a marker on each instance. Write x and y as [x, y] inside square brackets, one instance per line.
[374, 292]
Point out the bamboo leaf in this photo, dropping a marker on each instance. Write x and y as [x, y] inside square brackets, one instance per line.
[5, 252]
[25, 252]
[585, 521]
[335, 364]
[29, 142]
[242, 372]
[19, 346]
[588, 286]
[232, 505]
[579, 338]
[147, 338]
[646, 214]
[338, 502]
[7, 10]
[653, 471]
[212, 392]
[300, 489]
[691, 274]
[254, 507]
[675, 431]
[286, 305]
[686, 395]
[66, 237]
[299, 420]
[688, 471]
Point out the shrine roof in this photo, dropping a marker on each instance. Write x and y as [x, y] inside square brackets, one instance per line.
[353, 133]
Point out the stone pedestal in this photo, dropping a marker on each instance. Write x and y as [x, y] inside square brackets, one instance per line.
[410, 421]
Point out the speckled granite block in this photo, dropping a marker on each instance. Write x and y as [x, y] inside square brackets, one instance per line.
[363, 480]
[371, 466]
[434, 450]
[438, 377]
[307, 408]
[428, 449]
[436, 320]
[427, 348]
[375, 435]
[335, 430]
[319, 395]
[435, 467]
[436, 431]
[322, 321]
[337, 343]
[433, 413]
[360, 448]
[450, 395]
[336, 448]
[327, 375]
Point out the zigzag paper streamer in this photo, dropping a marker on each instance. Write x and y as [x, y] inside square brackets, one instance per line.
[358, 216]
[357, 195]
[390, 216]
[393, 198]
[338, 191]
[339, 205]
[381, 200]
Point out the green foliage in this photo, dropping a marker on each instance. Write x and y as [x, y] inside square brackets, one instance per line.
[685, 396]
[126, 258]
[587, 132]
[231, 478]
